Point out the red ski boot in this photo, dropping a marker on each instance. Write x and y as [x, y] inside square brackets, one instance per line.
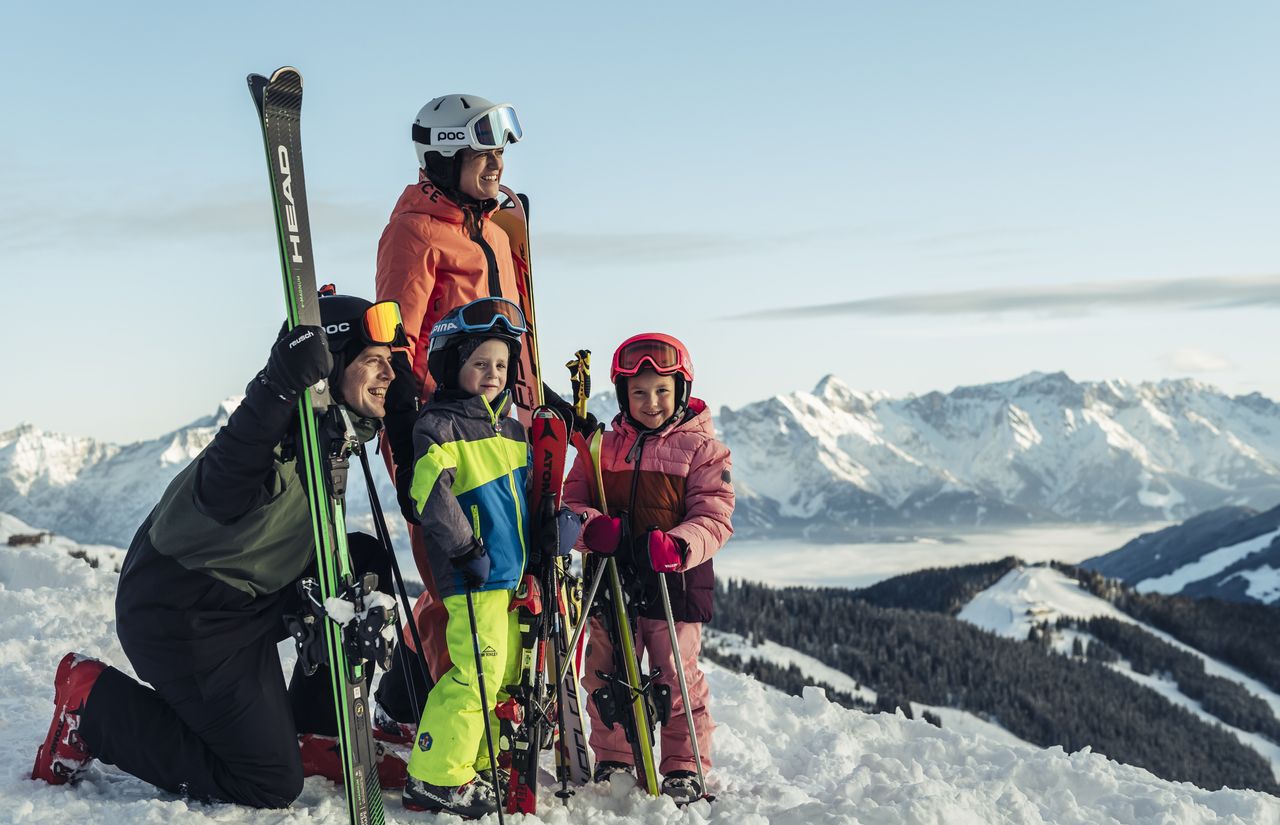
[321, 757]
[63, 754]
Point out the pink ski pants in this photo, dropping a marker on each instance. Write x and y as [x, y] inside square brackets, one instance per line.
[653, 638]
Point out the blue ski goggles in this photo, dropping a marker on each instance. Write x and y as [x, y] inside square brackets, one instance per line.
[482, 315]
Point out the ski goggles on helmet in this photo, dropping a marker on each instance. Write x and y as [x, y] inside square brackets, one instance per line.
[491, 129]
[378, 324]
[383, 325]
[482, 315]
[661, 356]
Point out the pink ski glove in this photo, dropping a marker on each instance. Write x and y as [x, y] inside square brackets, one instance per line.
[665, 555]
[602, 534]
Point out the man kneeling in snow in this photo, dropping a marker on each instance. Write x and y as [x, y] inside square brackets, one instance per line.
[202, 595]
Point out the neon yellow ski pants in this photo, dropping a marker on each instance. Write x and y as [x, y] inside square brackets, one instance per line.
[450, 747]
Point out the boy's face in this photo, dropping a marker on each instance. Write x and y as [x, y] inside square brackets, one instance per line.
[651, 398]
[485, 370]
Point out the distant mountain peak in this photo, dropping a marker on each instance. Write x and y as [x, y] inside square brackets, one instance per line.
[839, 395]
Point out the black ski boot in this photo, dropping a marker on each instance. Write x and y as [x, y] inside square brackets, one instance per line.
[606, 769]
[682, 786]
[470, 801]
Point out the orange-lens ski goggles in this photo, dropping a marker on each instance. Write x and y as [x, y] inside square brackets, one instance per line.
[383, 325]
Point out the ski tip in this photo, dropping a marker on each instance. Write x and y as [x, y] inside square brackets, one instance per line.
[286, 74]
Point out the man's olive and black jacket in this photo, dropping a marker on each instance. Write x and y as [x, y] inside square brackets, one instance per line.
[212, 567]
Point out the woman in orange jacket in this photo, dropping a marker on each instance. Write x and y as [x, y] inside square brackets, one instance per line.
[441, 250]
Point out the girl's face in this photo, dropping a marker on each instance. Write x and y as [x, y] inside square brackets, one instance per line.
[651, 398]
[480, 174]
[485, 370]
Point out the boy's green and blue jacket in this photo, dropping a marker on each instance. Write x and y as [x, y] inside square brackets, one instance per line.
[471, 467]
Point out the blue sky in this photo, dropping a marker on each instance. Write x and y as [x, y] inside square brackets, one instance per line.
[1028, 186]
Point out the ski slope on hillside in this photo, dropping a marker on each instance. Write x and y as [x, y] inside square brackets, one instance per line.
[779, 759]
[1207, 565]
[1031, 595]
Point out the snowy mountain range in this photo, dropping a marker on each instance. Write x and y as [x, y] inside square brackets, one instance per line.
[833, 463]
[1040, 448]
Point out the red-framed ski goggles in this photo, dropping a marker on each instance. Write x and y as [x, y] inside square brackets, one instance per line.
[661, 356]
[482, 315]
[491, 129]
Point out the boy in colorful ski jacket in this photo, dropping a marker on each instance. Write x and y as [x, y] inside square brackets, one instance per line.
[667, 484]
[469, 496]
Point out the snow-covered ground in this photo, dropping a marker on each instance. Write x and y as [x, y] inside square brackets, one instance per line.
[1030, 595]
[793, 562]
[1210, 564]
[780, 759]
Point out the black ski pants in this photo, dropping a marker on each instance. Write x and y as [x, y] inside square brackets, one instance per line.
[229, 733]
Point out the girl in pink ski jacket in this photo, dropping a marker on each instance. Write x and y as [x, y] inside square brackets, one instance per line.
[670, 499]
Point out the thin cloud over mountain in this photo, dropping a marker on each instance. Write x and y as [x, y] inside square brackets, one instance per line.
[1227, 292]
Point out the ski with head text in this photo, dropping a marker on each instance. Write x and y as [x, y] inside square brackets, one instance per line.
[325, 442]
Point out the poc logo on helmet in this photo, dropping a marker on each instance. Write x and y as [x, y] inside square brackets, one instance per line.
[330, 329]
[451, 135]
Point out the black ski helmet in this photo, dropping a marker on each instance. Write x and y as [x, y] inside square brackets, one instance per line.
[342, 317]
[451, 346]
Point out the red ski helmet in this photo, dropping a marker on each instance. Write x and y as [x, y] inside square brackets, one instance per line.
[662, 353]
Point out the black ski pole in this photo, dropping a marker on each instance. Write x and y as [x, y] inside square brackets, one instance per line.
[582, 622]
[484, 705]
[380, 527]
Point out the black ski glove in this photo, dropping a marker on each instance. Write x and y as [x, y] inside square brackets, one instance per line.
[584, 424]
[299, 358]
[558, 531]
[473, 565]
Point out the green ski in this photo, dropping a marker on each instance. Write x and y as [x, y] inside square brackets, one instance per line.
[326, 441]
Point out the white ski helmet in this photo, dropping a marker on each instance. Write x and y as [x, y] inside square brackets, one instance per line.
[454, 122]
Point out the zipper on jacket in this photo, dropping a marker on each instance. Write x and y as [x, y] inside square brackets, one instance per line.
[511, 482]
[633, 457]
[491, 260]
[515, 500]
[493, 414]
[475, 519]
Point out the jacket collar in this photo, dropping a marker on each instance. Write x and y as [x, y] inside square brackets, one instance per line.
[461, 402]
[696, 418]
